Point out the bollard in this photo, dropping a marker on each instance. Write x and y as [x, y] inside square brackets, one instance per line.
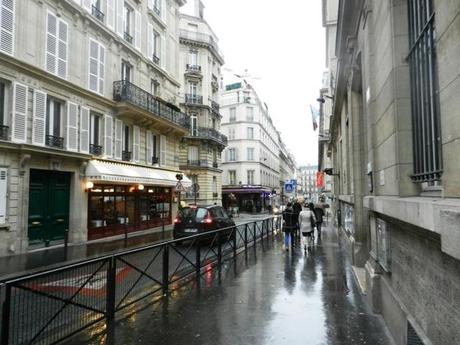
[246, 237]
[165, 269]
[198, 258]
[110, 292]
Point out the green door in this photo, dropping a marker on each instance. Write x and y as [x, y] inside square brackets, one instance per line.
[48, 205]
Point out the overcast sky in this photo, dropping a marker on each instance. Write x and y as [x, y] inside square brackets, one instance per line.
[283, 43]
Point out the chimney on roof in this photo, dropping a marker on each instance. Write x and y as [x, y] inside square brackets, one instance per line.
[199, 9]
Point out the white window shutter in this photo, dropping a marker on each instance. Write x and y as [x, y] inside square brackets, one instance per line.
[118, 138]
[62, 49]
[51, 43]
[163, 51]
[87, 5]
[150, 41]
[111, 14]
[72, 127]
[151, 4]
[149, 148]
[84, 130]
[138, 30]
[108, 136]
[163, 10]
[101, 69]
[7, 23]
[162, 150]
[19, 122]
[119, 19]
[136, 143]
[93, 67]
[39, 118]
[3, 195]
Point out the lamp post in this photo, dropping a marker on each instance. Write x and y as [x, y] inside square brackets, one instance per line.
[179, 178]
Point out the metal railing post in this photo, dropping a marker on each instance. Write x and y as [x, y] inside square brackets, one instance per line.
[110, 291]
[219, 249]
[246, 237]
[255, 234]
[234, 241]
[198, 257]
[165, 269]
[6, 312]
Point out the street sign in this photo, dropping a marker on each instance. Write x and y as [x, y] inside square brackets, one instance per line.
[288, 187]
[179, 187]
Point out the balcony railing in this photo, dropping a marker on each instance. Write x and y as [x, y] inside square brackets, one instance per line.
[200, 37]
[95, 150]
[128, 37]
[126, 156]
[54, 141]
[193, 99]
[214, 195]
[4, 132]
[215, 165]
[215, 106]
[97, 13]
[155, 59]
[155, 160]
[157, 10]
[124, 91]
[197, 163]
[210, 134]
[193, 68]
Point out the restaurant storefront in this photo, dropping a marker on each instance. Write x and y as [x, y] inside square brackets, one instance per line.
[249, 198]
[125, 198]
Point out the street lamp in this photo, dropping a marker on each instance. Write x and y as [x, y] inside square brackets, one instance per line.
[179, 178]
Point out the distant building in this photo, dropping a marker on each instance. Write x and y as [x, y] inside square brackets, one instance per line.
[287, 168]
[306, 182]
[200, 62]
[251, 159]
[90, 124]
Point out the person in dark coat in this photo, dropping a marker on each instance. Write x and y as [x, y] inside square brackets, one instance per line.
[290, 224]
[297, 207]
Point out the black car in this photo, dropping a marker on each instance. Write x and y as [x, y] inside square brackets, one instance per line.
[198, 219]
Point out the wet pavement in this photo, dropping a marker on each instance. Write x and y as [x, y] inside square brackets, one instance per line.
[269, 296]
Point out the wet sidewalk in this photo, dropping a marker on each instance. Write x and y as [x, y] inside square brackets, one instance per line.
[269, 296]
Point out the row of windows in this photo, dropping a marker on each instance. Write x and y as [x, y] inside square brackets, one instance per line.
[249, 114]
[67, 125]
[265, 178]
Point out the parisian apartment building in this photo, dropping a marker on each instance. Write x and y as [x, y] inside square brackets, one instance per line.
[201, 149]
[287, 169]
[394, 129]
[89, 104]
[306, 182]
[250, 162]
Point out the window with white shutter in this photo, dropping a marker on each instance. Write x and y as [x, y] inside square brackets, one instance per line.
[96, 67]
[163, 51]
[84, 130]
[87, 5]
[7, 22]
[119, 17]
[162, 150]
[108, 136]
[111, 6]
[19, 121]
[118, 138]
[150, 43]
[3, 194]
[72, 127]
[39, 118]
[56, 46]
[136, 143]
[149, 147]
[137, 30]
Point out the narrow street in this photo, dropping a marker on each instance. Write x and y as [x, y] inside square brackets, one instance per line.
[272, 297]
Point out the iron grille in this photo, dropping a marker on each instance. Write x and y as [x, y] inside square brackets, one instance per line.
[193, 99]
[193, 68]
[128, 38]
[126, 156]
[157, 10]
[97, 13]
[210, 134]
[426, 131]
[54, 141]
[412, 336]
[95, 149]
[155, 59]
[4, 132]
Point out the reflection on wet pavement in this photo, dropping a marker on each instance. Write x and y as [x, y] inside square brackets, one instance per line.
[274, 297]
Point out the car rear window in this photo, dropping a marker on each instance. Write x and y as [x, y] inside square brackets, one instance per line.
[196, 214]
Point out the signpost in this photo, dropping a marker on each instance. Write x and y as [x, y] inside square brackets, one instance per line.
[195, 189]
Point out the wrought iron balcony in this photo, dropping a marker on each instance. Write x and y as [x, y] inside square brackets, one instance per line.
[155, 59]
[193, 68]
[155, 160]
[215, 165]
[193, 99]
[215, 106]
[124, 91]
[128, 37]
[97, 13]
[209, 134]
[197, 162]
[214, 195]
[54, 141]
[157, 10]
[4, 132]
[126, 156]
[95, 150]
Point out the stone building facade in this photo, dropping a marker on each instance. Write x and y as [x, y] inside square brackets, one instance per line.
[394, 143]
[306, 182]
[201, 62]
[89, 122]
[251, 160]
[287, 166]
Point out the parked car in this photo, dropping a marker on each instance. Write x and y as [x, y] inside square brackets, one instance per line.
[198, 219]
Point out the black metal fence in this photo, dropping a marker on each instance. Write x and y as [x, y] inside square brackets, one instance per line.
[51, 306]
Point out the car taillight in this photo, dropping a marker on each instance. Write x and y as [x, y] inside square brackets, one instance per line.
[177, 220]
[207, 220]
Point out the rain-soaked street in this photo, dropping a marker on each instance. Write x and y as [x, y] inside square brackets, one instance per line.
[269, 297]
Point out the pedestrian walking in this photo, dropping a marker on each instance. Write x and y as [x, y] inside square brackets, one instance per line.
[290, 225]
[307, 222]
[297, 207]
[319, 210]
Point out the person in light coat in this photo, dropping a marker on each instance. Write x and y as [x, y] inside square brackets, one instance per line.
[307, 222]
